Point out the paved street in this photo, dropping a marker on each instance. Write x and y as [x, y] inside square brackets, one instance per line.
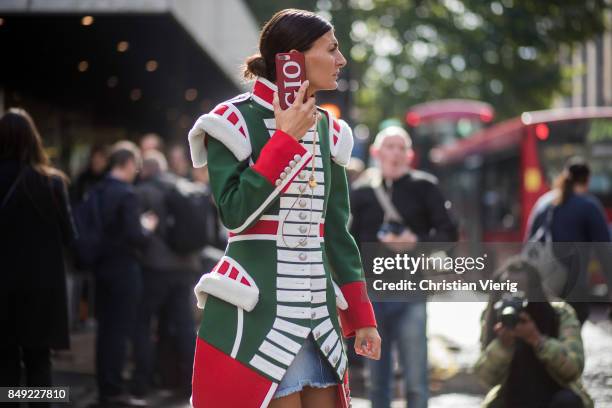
[453, 329]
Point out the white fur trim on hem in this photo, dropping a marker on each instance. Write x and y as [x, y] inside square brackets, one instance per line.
[219, 128]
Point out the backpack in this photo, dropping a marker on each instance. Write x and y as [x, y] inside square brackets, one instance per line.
[90, 227]
[540, 252]
[188, 206]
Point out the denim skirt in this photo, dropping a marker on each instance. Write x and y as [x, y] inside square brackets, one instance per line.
[308, 369]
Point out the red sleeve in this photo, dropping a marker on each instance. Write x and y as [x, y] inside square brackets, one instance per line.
[279, 157]
[359, 313]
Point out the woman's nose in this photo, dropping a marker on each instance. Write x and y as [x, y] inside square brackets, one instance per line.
[341, 62]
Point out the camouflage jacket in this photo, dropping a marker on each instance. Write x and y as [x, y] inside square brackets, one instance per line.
[562, 356]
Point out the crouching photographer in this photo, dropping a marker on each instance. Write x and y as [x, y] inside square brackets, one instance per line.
[532, 354]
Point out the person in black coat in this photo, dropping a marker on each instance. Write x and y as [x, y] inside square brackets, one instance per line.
[578, 218]
[35, 223]
[422, 216]
[118, 274]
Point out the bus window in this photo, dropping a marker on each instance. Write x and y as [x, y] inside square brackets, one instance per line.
[589, 138]
[500, 204]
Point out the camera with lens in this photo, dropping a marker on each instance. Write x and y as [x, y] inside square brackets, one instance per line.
[509, 307]
[391, 227]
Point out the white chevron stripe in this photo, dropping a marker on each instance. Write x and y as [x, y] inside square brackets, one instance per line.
[334, 357]
[305, 216]
[272, 130]
[318, 283]
[294, 256]
[317, 160]
[292, 295]
[303, 203]
[342, 365]
[293, 283]
[294, 188]
[322, 329]
[320, 312]
[285, 242]
[293, 312]
[296, 229]
[271, 124]
[276, 353]
[319, 297]
[291, 328]
[319, 176]
[300, 270]
[283, 341]
[267, 367]
[329, 342]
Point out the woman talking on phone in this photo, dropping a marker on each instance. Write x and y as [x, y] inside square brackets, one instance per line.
[291, 282]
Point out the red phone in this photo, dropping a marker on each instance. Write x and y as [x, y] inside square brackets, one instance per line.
[290, 74]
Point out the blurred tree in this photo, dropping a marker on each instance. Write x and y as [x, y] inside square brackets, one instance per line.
[403, 52]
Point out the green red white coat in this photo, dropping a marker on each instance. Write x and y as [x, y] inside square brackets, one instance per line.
[273, 287]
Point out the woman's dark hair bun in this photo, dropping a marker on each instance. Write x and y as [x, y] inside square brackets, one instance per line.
[289, 29]
[255, 66]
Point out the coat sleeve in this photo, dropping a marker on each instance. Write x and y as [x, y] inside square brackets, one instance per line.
[343, 255]
[242, 192]
[493, 365]
[439, 217]
[564, 356]
[129, 213]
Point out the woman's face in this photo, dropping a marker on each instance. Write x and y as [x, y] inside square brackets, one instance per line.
[323, 63]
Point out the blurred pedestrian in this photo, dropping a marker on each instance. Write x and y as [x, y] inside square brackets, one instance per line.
[286, 213]
[35, 223]
[80, 285]
[93, 173]
[216, 231]
[117, 272]
[575, 217]
[399, 207]
[532, 357]
[151, 141]
[178, 161]
[168, 278]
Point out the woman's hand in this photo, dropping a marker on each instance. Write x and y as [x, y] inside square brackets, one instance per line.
[367, 342]
[297, 118]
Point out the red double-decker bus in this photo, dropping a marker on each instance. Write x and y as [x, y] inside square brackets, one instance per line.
[443, 122]
[494, 177]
